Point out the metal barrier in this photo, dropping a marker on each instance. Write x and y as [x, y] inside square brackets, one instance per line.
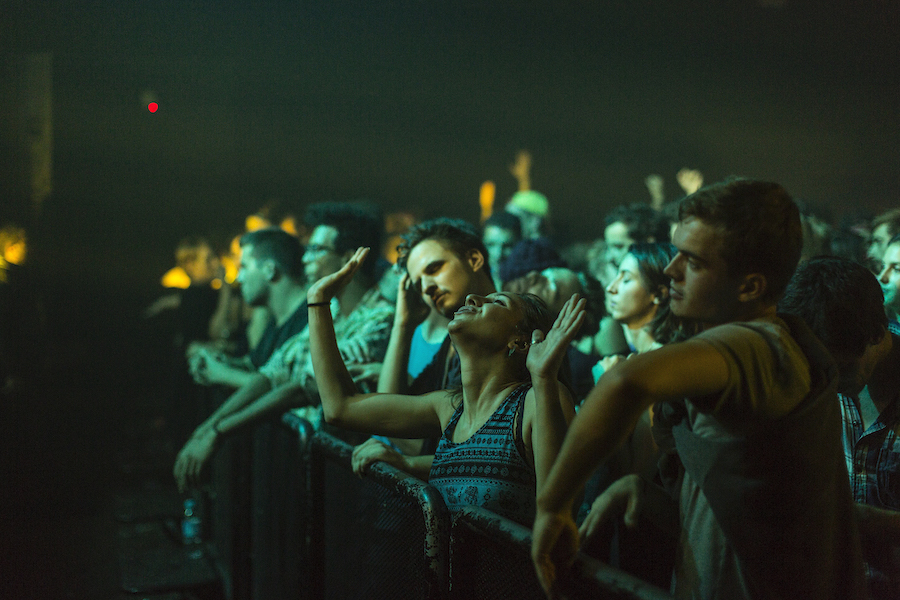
[317, 531]
[279, 557]
[491, 558]
[383, 536]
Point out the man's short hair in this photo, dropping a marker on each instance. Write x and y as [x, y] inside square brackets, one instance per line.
[505, 220]
[761, 227]
[644, 224]
[189, 248]
[890, 218]
[841, 302]
[357, 224]
[457, 235]
[274, 243]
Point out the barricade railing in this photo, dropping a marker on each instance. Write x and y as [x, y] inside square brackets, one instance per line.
[318, 531]
[491, 558]
[279, 557]
[382, 536]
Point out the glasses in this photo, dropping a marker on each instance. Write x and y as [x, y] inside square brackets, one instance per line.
[319, 249]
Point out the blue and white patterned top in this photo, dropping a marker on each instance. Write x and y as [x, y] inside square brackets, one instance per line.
[488, 469]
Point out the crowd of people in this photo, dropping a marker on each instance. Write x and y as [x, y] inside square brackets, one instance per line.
[678, 397]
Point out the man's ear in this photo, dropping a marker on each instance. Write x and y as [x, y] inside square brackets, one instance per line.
[270, 270]
[753, 287]
[476, 259]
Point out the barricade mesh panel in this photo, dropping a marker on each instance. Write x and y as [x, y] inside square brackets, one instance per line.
[229, 513]
[279, 558]
[481, 567]
[373, 539]
[484, 567]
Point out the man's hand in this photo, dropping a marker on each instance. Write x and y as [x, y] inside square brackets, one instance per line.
[521, 169]
[373, 450]
[365, 371]
[625, 495]
[193, 457]
[354, 350]
[553, 547]
[198, 365]
[690, 180]
[655, 186]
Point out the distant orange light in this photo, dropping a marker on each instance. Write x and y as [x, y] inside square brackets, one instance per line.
[486, 199]
[230, 266]
[177, 278]
[254, 222]
[289, 224]
[390, 248]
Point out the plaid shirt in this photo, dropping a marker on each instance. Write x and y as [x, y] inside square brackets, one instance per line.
[873, 462]
[368, 324]
[873, 454]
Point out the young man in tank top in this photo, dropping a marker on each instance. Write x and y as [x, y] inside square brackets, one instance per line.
[762, 500]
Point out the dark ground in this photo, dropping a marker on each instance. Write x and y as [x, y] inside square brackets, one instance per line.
[89, 507]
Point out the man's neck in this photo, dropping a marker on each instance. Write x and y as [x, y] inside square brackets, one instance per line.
[285, 300]
[744, 314]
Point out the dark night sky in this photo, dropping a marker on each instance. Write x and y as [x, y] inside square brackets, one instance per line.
[415, 103]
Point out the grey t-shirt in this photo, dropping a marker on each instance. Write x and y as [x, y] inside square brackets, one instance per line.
[765, 508]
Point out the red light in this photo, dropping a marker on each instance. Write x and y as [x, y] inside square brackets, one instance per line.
[153, 106]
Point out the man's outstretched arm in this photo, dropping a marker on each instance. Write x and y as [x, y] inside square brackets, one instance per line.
[195, 454]
[609, 414]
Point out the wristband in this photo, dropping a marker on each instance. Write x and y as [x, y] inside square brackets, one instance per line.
[326, 303]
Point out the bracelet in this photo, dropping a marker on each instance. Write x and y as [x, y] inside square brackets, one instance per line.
[326, 303]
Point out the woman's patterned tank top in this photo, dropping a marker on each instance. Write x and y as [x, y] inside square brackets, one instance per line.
[489, 468]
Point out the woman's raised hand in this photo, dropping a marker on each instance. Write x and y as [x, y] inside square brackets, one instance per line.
[547, 352]
[331, 285]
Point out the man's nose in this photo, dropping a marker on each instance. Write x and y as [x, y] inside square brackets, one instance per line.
[672, 269]
[474, 300]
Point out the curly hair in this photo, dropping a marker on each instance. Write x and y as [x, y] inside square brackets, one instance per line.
[457, 235]
[357, 223]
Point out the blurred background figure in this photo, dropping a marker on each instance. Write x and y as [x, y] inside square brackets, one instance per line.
[884, 227]
[500, 233]
[195, 283]
[889, 278]
[20, 314]
[530, 206]
[625, 225]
